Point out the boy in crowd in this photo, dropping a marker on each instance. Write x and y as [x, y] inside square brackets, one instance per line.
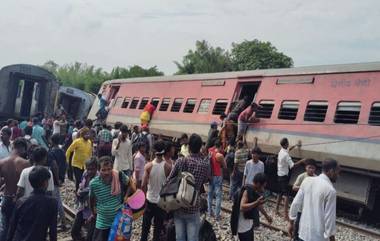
[106, 197]
[57, 165]
[84, 212]
[155, 175]
[229, 159]
[104, 141]
[241, 157]
[36, 213]
[38, 158]
[253, 167]
[139, 164]
[169, 153]
[184, 140]
[247, 207]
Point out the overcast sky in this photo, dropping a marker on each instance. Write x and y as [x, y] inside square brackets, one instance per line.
[109, 33]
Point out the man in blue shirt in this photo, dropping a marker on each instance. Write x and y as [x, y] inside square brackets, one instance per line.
[39, 133]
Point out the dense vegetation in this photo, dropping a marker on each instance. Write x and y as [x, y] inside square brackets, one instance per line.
[247, 55]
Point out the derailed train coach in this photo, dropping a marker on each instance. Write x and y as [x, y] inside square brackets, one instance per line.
[333, 109]
[75, 102]
[28, 89]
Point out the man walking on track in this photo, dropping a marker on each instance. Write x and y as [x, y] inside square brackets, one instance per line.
[316, 199]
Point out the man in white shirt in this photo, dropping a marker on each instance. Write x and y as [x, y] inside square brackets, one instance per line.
[5, 144]
[38, 158]
[122, 150]
[284, 164]
[316, 199]
[253, 166]
[58, 123]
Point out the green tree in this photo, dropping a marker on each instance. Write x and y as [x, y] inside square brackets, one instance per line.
[204, 59]
[89, 78]
[255, 54]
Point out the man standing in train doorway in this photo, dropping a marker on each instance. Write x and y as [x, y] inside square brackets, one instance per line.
[246, 118]
[102, 112]
[284, 164]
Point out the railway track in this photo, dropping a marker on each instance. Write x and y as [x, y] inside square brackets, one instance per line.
[358, 228]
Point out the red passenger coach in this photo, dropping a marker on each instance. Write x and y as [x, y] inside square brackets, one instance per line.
[333, 110]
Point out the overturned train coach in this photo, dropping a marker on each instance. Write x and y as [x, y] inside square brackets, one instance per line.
[334, 110]
[27, 90]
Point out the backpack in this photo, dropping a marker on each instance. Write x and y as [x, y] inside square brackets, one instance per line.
[252, 214]
[206, 231]
[178, 192]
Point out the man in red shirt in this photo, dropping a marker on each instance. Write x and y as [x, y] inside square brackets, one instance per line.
[217, 163]
[245, 118]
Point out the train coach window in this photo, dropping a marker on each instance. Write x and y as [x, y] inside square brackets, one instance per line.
[220, 106]
[374, 115]
[118, 102]
[126, 102]
[155, 101]
[266, 109]
[143, 103]
[134, 103]
[347, 112]
[190, 105]
[176, 105]
[289, 110]
[316, 111]
[165, 104]
[204, 106]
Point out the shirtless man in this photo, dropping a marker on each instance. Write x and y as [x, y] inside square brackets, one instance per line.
[10, 170]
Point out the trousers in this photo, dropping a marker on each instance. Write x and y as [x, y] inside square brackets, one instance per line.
[152, 211]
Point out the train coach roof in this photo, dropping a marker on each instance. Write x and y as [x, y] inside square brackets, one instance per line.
[306, 70]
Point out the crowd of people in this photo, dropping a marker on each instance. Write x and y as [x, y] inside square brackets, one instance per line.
[108, 163]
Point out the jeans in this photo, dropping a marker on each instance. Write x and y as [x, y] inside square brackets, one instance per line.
[187, 226]
[57, 196]
[77, 227]
[152, 211]
[247, 236]
[8, 205]
[215, 187]
[235, 183]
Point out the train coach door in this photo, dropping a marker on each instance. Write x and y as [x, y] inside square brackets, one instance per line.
[112, 94]
[246, 89]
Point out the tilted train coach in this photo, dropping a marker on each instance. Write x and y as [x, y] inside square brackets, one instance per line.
[28, 89]
[334, 110]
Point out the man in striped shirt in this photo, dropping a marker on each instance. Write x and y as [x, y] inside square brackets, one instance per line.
[105, 201]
